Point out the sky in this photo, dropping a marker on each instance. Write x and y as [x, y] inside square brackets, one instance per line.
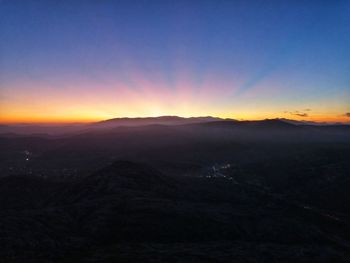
[81, 61]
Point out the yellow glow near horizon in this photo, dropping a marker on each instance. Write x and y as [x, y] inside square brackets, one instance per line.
[43, 104]
[82, 116]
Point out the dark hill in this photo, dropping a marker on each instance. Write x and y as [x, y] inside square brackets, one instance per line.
[27, 192]
[118, 211]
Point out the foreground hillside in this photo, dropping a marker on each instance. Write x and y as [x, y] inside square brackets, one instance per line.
[263, 191]
[130, 212]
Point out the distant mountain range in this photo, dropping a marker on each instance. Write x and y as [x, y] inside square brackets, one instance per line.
[162, 120]
[303, 122]
[12, 130]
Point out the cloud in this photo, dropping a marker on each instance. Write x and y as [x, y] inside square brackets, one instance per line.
[347, 114]
[299, 113]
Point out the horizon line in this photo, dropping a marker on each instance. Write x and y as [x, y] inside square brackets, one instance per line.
[82, 122]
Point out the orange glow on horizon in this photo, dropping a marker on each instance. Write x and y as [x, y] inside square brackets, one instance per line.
[81, 102]
[89, 119]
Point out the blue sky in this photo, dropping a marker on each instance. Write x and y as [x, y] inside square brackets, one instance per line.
[72, 60]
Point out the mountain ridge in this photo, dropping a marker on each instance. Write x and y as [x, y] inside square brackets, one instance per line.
[66, 130]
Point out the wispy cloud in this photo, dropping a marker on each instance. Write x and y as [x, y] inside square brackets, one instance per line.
[302, 113]
[347, 114]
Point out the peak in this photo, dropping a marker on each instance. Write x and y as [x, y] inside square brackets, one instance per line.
[143, 121]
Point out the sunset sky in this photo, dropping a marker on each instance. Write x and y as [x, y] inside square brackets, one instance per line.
[78, 61]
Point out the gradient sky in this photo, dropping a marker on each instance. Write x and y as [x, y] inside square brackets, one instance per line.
[63, 61]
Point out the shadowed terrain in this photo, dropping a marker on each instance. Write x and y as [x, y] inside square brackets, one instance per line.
[218, 191]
